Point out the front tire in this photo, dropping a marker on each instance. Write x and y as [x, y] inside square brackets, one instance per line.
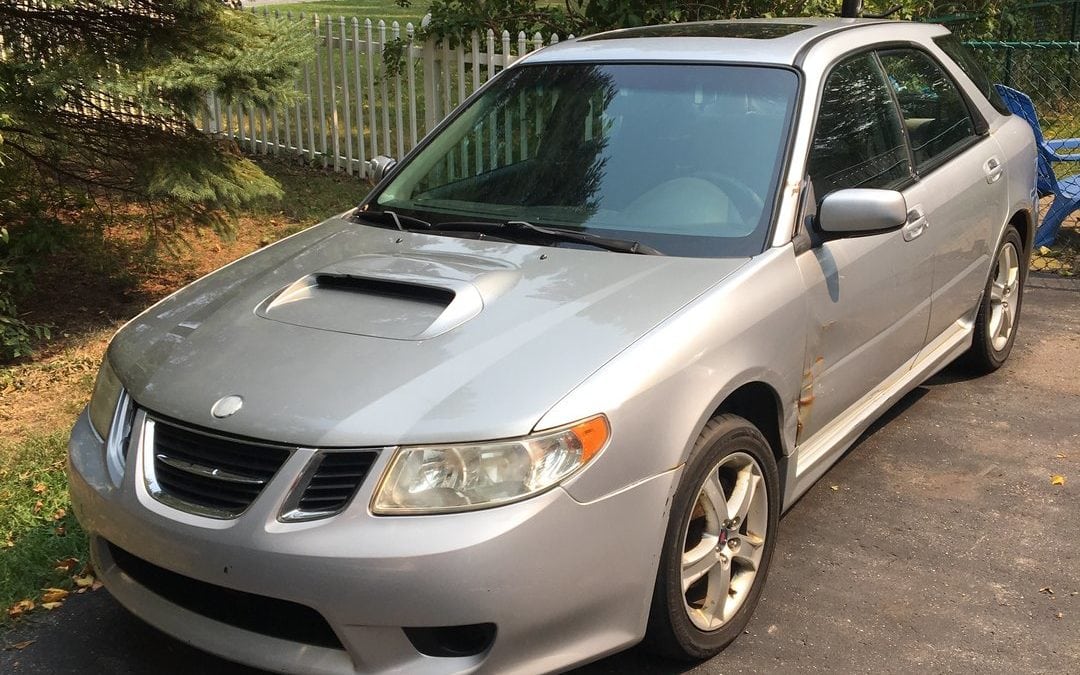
[999, 311]
[719, 542]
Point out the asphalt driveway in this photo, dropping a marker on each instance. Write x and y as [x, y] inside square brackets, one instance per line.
[937, 544]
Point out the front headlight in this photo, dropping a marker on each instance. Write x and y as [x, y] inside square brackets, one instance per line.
[106, 397]
[463, 477]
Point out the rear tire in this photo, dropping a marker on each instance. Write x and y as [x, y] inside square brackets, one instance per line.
[999, 311]
[720, 539]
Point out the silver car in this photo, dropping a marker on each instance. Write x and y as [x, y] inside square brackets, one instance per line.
[546, 392]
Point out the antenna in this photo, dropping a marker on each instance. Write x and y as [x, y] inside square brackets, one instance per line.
[851, 9]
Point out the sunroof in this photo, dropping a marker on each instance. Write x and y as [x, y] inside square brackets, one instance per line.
[749, 30]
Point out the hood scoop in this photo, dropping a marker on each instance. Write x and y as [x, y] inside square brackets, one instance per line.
[386, 288]
[394, 297]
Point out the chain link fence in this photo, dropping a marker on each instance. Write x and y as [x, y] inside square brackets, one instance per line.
[1048, 72]
[1035, 48]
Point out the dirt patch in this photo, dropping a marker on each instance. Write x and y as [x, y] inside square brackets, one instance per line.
[48, 393]
[1063, 258]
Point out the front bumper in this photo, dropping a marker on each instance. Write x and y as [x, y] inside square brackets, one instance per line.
[563, 582]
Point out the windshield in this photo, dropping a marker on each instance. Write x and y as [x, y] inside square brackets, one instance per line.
[683, 158]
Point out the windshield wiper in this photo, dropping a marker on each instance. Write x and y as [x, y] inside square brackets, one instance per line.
[389, 218]
[547, 235]
[507, 230]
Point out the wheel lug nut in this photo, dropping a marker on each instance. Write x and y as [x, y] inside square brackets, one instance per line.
[733, 543]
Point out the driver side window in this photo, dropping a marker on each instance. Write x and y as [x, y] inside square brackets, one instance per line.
[858, 140]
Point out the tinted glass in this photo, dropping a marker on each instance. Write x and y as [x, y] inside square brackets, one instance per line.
[971, 67]
[936, 116]
[857, 140]
[684, 158]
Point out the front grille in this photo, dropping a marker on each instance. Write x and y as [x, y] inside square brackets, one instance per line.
[208, 474]
[334, 482]
[256, 613]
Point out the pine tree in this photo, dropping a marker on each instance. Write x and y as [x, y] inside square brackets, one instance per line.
[102, 96]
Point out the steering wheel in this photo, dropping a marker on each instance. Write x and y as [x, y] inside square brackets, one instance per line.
[746, 201]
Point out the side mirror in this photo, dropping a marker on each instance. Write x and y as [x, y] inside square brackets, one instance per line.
[862, 211]
[381, 165]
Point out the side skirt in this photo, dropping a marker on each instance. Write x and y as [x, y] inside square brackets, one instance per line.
[819, 452]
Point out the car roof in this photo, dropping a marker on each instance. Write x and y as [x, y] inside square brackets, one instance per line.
[778, 41]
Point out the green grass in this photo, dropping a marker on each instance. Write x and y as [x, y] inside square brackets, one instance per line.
[312, 194]
[38, 528]
[362, 9]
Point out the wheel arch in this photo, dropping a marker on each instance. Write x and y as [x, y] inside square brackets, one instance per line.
[760, 404]
[1023, 222]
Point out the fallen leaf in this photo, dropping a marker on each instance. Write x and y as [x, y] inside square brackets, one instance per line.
[1047, 590]
[21, 607]
[1061, 455]
[19, 645]
[834, 488]
[60, 530]
[66, 565]
[60, 513]
[53, 595]
[97, 585]
[1057, 479]
[40, 488]
[83, 582]
[38, 505]
[1059, 615]
[1043, 250]
[51, 605]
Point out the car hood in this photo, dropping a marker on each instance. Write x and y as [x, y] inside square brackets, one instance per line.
[350, 335]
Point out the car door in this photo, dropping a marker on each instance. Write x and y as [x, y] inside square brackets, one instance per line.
[964, 195]
[869, 296]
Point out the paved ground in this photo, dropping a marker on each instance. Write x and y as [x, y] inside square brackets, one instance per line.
[933, 546]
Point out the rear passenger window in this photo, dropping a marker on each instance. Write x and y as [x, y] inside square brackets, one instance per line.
[970, 65]
[857, 140]
[936, 116]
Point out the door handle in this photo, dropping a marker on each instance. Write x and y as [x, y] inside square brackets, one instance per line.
[916, 224]
[993, 169]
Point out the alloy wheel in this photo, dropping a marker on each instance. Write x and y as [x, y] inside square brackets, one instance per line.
[724, 543]
[1004, 296]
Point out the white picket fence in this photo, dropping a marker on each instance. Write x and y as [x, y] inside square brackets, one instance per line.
[351, 107]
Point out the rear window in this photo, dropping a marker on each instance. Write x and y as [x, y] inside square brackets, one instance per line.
[971, 67]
